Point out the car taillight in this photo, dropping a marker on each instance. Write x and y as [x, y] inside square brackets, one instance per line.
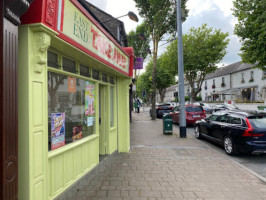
[249, 130]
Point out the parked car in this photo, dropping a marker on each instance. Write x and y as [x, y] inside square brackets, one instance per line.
[162, 109]
[193, 113]
[205, 106]
[224, 106]
[237, 131]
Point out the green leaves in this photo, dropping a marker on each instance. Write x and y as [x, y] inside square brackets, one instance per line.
[251, 28]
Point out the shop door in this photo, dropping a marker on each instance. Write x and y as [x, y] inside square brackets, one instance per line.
[103, 120]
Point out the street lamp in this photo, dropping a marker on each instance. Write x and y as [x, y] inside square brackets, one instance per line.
[182, 115]
[130, 14]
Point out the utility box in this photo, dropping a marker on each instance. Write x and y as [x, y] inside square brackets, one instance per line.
[167, 124]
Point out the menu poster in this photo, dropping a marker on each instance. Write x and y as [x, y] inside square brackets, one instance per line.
[77, 133]
[57, 130]
[89, 99]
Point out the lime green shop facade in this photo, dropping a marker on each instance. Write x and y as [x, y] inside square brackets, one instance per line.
[73, 100]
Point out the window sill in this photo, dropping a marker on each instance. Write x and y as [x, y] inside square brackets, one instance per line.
[73, 145]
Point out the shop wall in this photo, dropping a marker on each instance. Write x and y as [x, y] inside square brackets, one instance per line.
[123, 114]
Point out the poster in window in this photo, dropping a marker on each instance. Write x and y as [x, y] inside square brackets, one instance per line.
[57, 130]
[77, 133]
[71, 84]
[89, 99]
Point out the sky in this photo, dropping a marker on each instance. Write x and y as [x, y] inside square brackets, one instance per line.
[215, 13]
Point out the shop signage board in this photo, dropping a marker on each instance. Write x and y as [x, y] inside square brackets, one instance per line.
[77, 26]
[57, 130]
[138, 63]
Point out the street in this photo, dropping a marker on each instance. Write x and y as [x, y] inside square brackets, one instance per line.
[253, 162]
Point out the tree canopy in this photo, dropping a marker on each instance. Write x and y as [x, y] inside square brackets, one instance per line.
[251, 28]
[138, 40]
[163, 78]
[203, 49]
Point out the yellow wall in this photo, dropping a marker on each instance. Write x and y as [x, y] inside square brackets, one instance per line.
[42, 174]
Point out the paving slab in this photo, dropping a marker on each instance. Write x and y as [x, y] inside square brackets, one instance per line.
[162, 167]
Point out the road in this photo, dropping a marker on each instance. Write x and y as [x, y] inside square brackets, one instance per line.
[256, 163]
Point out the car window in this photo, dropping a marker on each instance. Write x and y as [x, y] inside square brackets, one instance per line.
[223, 118]
[194, 109]
[213, 117]
[258, 121]
[176, 109]
[234, 120]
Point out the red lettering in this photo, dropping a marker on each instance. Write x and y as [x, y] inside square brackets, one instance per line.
[95, 36]
[109, 51]
[114, 56]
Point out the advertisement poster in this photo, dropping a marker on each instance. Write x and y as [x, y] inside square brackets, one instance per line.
[71, 84]
[57, 130]
[89, 99]
[77, 133]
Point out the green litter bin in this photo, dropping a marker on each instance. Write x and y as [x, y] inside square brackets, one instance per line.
[167, 124]
[262, 108]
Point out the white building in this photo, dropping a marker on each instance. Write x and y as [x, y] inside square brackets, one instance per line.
[237, 82]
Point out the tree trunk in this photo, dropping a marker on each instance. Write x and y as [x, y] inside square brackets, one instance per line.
[162, 94]
[155, 49]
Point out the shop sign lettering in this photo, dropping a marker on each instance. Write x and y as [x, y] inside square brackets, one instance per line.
[79, 28]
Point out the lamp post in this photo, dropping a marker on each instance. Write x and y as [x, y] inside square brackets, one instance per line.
[130, 14]
[182, 116]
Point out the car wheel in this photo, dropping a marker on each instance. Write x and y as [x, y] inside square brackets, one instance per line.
[197, 132]
[229, 145]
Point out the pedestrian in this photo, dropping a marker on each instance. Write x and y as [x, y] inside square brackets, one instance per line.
[138, 104]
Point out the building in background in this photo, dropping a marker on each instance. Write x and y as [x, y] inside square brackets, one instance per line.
[238, 82]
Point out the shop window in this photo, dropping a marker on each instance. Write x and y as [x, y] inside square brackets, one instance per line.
[111, 80]
[95, 74]
[104, 77]
[85, 71]
[69, 65]
[72, 116]
[112, 106]
[52, 59]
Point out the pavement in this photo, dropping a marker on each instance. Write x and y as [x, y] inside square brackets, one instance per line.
[167, 167]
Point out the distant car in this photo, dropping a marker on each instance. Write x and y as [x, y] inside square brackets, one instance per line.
[225, 106]
[205, 106]
[193, 113]
[162, 109]
[237, 131]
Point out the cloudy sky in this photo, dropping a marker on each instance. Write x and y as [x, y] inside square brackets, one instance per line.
[216, 13]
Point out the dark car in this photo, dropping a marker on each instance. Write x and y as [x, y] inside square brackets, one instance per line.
[237, 131]
[162, 109]
[225, 106]
[193, 113]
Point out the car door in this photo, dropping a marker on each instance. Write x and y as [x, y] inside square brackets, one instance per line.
[175, 114]
[207, 125]
[221, 127]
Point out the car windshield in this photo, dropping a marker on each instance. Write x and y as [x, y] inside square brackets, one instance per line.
[258, 121]
[194, 109]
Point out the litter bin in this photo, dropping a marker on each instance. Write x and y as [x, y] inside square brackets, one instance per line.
[167, 124]
[262, 108]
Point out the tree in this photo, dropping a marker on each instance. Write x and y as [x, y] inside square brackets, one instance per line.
[203, 48]
[163, 79]
[138, 40]
[251, 28]
[160, 18]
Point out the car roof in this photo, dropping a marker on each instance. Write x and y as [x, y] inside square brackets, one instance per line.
[243, 113]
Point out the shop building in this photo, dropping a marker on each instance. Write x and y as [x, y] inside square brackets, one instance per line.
[73, 97]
